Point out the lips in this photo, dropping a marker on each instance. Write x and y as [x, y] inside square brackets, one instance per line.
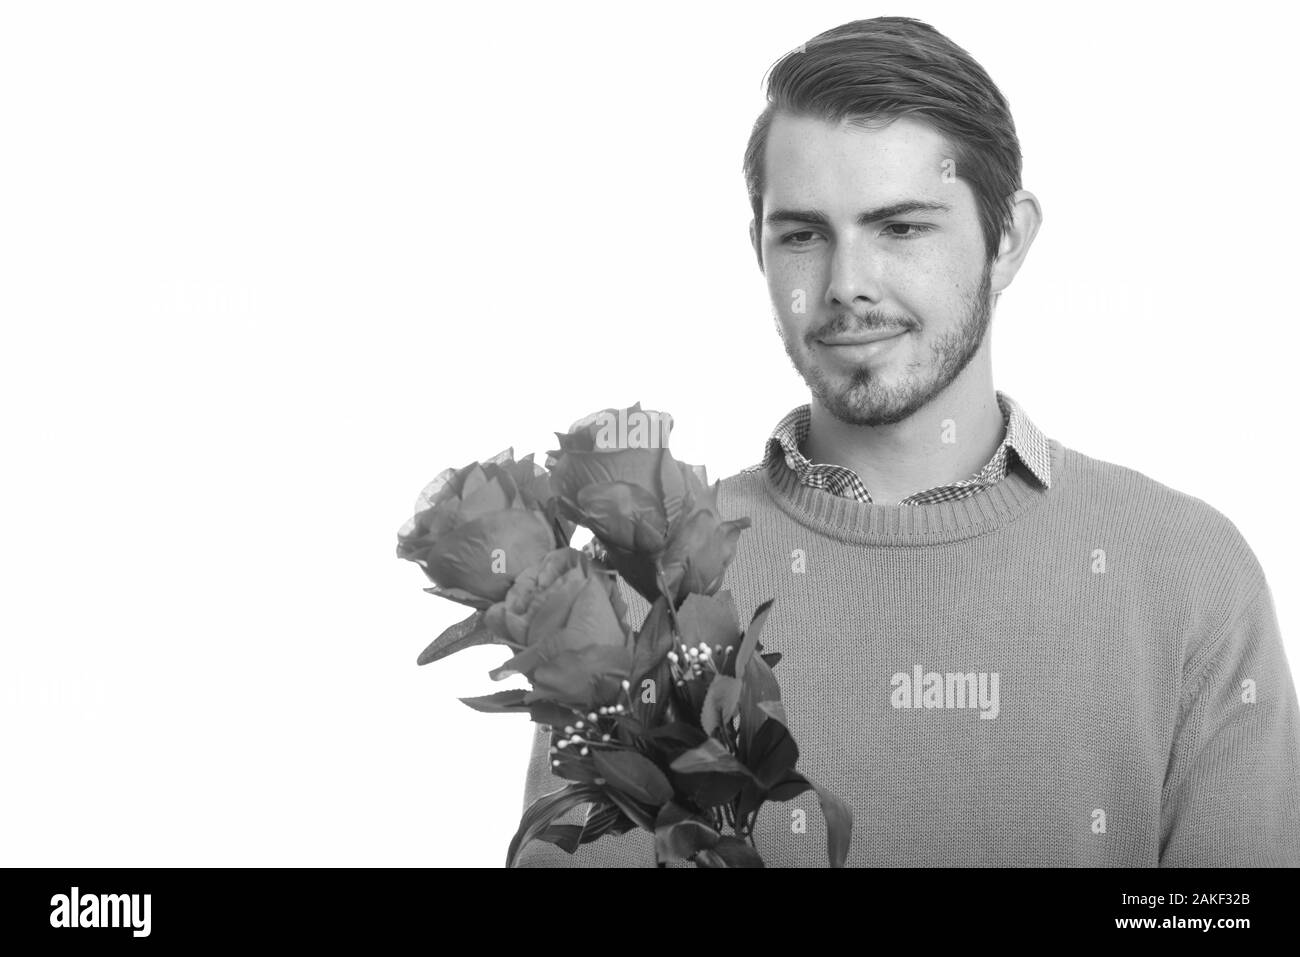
[862, 338]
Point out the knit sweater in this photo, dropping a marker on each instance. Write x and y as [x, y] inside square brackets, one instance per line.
[1089, 674]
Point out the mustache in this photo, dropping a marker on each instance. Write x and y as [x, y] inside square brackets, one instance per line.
[847, 323]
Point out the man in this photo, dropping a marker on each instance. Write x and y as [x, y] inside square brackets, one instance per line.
[996, 650]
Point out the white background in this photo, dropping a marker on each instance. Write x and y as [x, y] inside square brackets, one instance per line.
[267, 268]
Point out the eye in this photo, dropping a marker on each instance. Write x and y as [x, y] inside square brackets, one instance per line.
[892, 230]
[802, 238]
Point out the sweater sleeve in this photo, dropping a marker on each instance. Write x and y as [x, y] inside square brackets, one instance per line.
[1232, 792]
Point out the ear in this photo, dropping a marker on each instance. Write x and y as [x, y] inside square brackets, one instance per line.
[1026, 217]
[754, 241]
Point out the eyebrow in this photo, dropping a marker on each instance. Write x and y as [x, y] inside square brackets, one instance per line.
[817, 218]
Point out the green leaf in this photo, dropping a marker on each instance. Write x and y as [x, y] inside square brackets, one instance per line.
[712, 789]
[729, 852]
[542, 812]
[461, 596]
[679, 835]
[688, 697]
[676, 735]
[654, 639]
[574, 768]
[750, 641]
[501, 702]
[839, 825]
[605, 819]
[709, 619]
[773, 753]
[640, 815]
[551, 714]
[748, 804]
[464, 634]
[837, 814]
[774, 709]
[789, 787]
[566, 837]
[758, 688]
[720, 703]
[637, 569]
[635, 775]
[710, 756]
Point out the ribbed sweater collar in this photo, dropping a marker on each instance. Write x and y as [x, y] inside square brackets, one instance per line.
[860, 523]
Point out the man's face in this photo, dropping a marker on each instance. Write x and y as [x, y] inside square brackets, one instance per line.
[914, 274]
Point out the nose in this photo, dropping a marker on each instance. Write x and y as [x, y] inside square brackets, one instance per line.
[855, 280]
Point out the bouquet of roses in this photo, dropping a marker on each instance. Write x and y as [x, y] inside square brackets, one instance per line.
[675, 726]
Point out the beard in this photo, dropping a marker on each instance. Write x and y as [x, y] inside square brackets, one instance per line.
[864, 399]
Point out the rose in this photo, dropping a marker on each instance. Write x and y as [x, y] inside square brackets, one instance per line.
[651, 513]
[569, 624]
[476, 528]
[697, 554]
[590, 453]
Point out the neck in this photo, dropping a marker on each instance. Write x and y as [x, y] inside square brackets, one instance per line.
[945, 441]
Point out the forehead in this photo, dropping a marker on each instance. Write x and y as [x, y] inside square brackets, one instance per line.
[812, 161]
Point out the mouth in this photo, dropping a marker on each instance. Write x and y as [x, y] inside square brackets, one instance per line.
[863, 338]
[870, 348]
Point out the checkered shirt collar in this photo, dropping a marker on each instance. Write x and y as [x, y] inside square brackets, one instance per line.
[1022, 437]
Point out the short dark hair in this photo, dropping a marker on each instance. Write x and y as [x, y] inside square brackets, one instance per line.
[889, 67]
